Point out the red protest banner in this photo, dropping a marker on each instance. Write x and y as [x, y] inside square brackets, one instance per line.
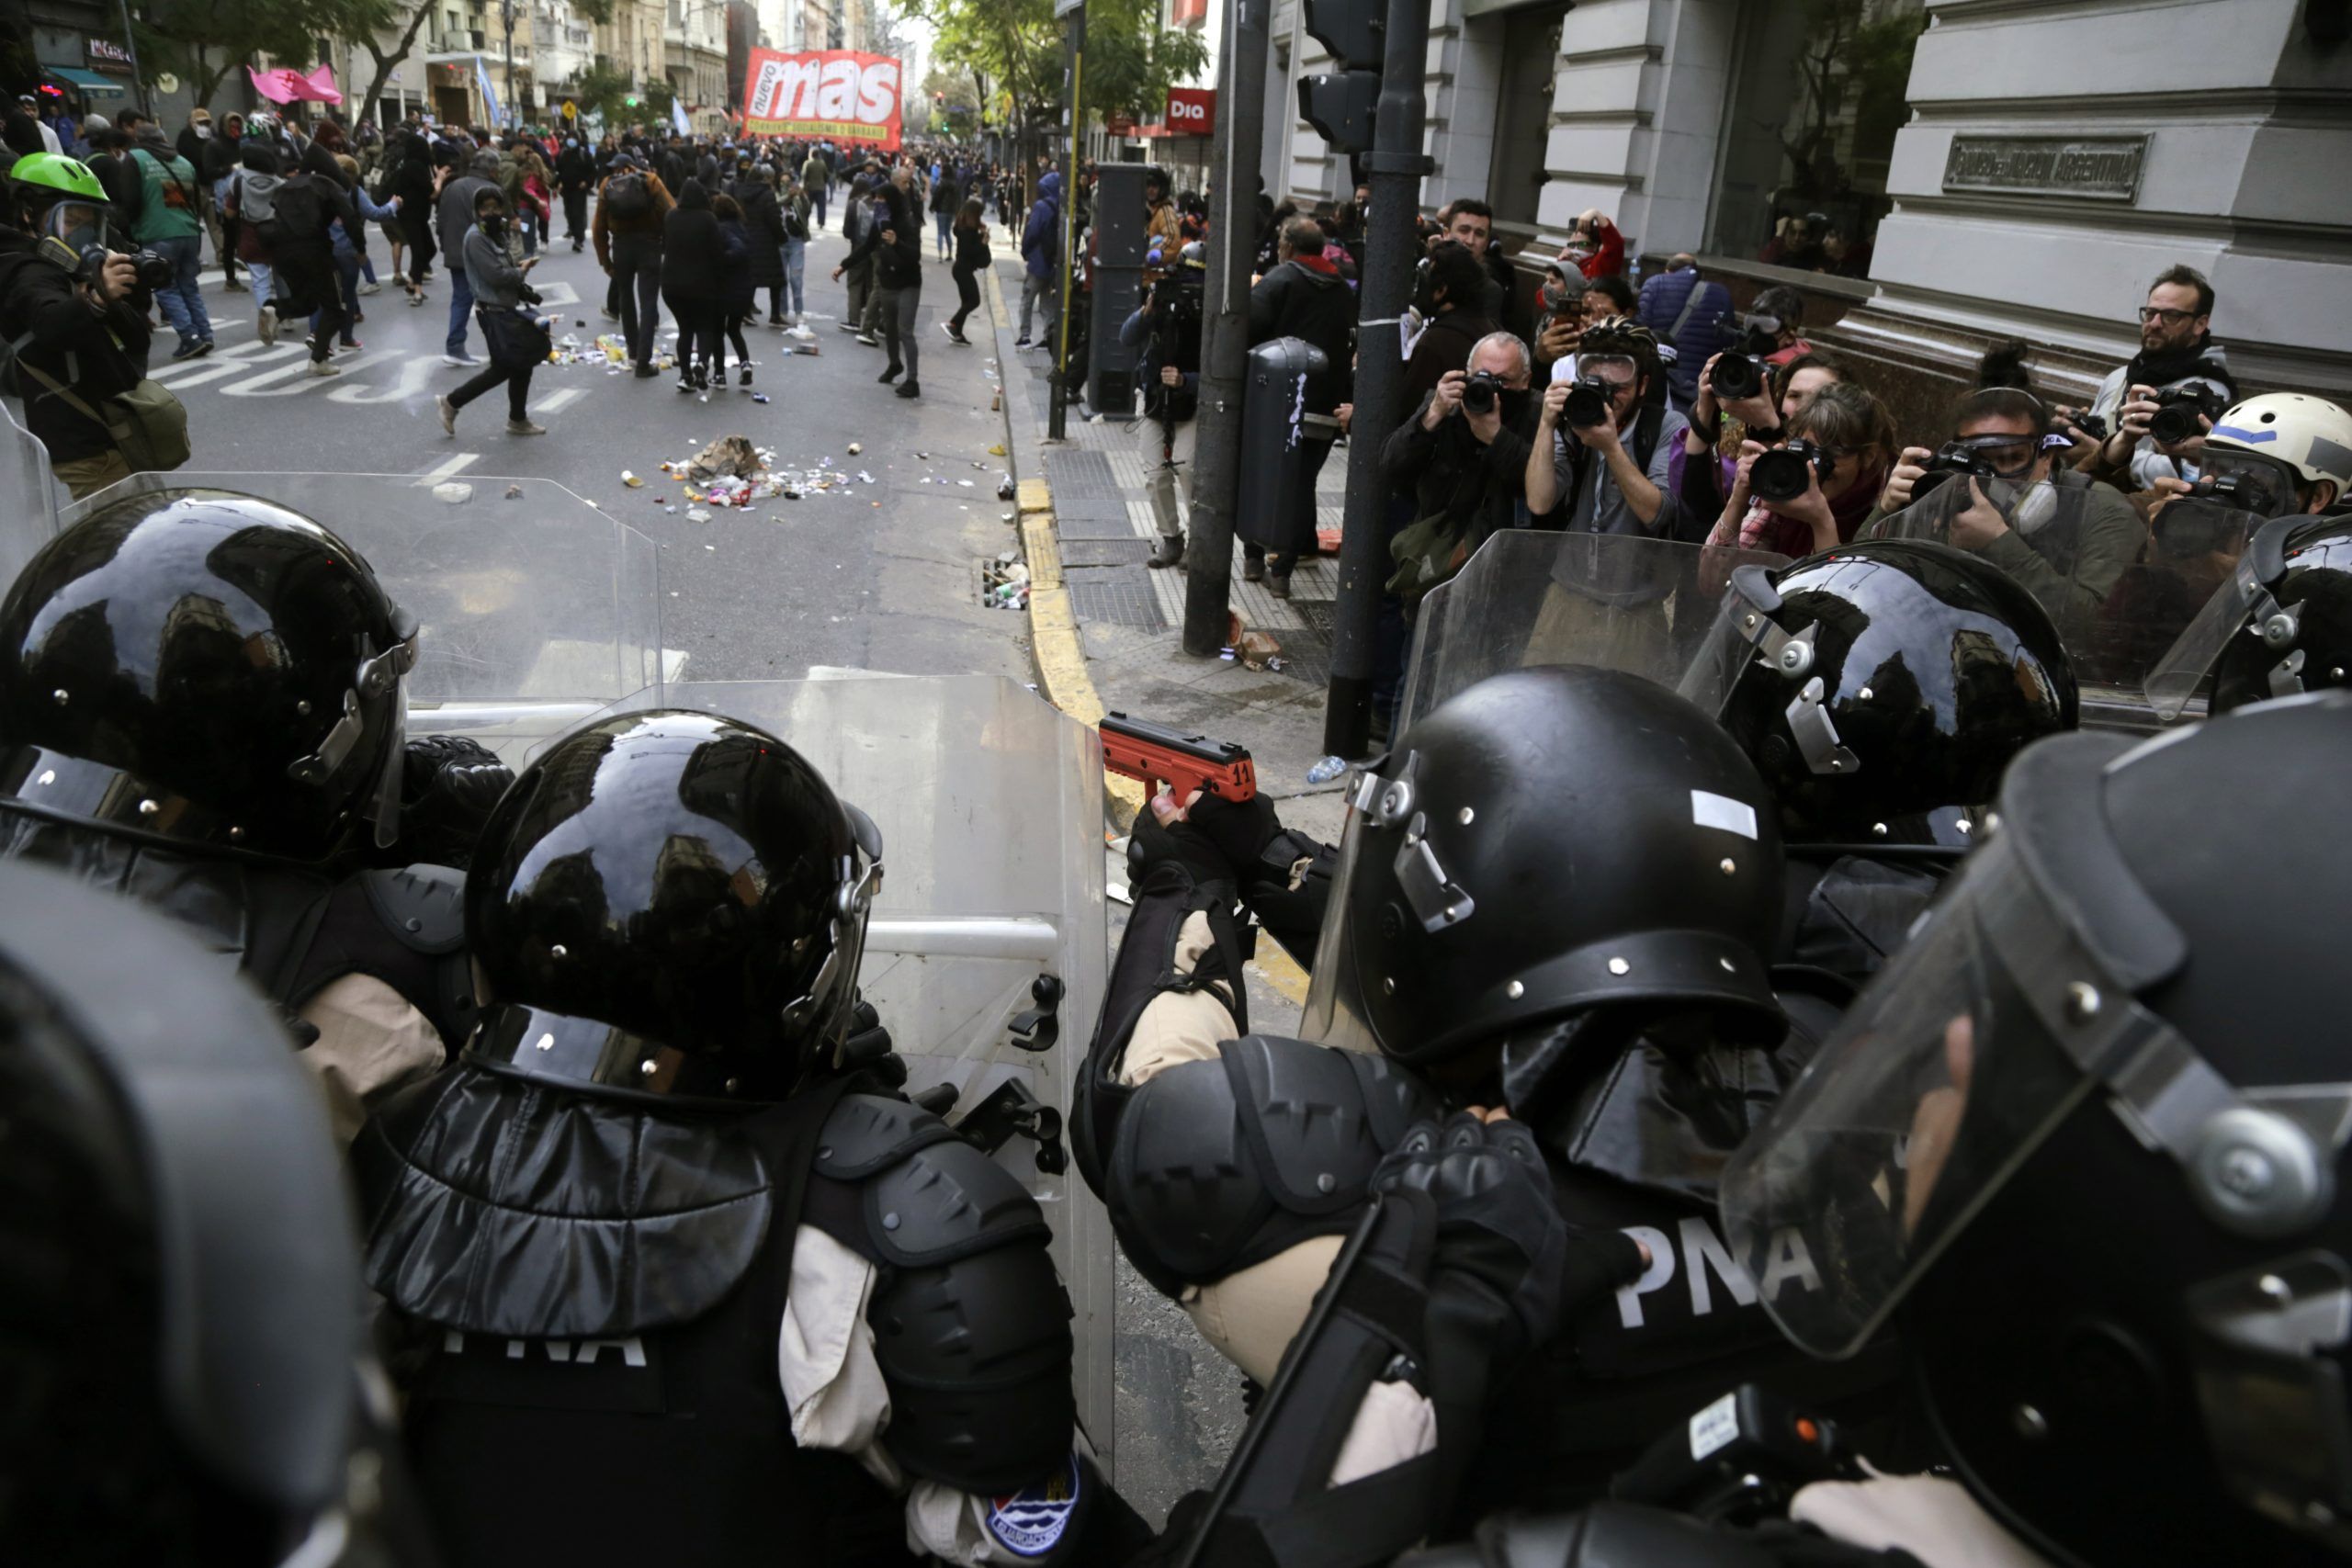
[852, 98]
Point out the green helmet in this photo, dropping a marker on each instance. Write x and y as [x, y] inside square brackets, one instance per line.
[54, 172]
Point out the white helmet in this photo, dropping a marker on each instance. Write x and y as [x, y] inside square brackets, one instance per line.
[2309, 435]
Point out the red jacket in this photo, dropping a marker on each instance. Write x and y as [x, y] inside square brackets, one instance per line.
[1609, 259]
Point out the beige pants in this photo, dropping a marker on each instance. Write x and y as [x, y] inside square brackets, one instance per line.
[85, 476]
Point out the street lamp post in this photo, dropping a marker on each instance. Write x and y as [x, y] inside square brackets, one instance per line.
[506, 14]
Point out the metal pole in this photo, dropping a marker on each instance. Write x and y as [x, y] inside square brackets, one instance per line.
[514, 105]
[1057, 404]
[1225, 339]
[1397, 164]
[137, 77]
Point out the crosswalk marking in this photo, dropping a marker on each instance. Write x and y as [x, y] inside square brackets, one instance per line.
[293, 380]
[221, 363]
[441, 471]
[563, 398]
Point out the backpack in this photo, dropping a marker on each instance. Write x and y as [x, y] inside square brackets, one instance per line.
[296, 215]
[625, 196]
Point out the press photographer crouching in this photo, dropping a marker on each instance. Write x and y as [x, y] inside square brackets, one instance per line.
[1602, 442]
[1812, 490]
[2068, 538]
[74, 293]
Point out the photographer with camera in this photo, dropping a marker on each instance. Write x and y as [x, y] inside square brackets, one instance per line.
[1462, 458]
[1167, 328]
[1304, 296]
[1603, 443]
[2000, 433]
[2149, 417]
[74, 334]
[1812, 488]
[1449, 294]
[1720, 429]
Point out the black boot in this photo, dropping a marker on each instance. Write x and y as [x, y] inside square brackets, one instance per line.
[892, 374]
[912, 389]
[1170, 551]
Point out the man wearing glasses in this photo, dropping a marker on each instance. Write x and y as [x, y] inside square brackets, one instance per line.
[2177, 350]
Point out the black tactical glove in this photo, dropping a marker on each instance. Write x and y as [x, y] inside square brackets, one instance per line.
[1240, 831]
[1498, 1226]
[447, 785]
[866, 1047]
[1151, 844]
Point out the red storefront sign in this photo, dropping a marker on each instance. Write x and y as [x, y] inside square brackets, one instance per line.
[1192, 111]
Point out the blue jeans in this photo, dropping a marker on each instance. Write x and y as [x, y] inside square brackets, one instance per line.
[796, 273]
[816, 201]
[945, 221]
[461, 309]
[181, 304]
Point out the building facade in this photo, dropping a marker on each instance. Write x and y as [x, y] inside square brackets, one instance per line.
[695, 37]
[1989, 168]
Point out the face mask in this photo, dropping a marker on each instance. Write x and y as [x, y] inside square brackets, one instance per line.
[494, 223]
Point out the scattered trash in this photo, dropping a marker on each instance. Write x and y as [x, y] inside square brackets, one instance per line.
[453, 494]
[965, 483]
[864, 478]
[856, 448]
[1004, 488]
[995, 451]
[1327, 769]
[728, 455]
[759, 397]
[1007, 518]
[514, 492]
[695, 514]
[1277, 664]
[631, 481]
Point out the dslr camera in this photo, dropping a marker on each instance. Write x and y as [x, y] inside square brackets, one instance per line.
[1740, 372]
[2175, 420]
[1952, 458]
[153, 272]
[1481, 392]
[1783, 473]
[1588, 402]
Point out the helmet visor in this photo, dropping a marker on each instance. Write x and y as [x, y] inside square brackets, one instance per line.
[1334, 1014]
[2237, 607]
[1934, 1088]
[79, 225]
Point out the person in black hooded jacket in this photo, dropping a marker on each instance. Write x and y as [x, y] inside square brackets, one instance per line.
[692, 284]
[895, 246]
[1304, 296]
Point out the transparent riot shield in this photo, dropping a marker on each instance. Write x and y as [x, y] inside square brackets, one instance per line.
[534, 610]
[989, 949]
[1534, 597]
[30, 495]
[2119, 589]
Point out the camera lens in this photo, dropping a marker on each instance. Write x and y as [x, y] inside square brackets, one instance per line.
[1738, 376]
[1478, 397]
[1921, 488]
[2172, 423]
[1586, 406]
[1780, 475]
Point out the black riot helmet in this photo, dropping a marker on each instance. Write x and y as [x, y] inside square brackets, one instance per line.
[671, 904]
[2083, 1140]
[179, 1330]
[207, 670]
[1881, 687]
[1547, 844]
[2280, 623]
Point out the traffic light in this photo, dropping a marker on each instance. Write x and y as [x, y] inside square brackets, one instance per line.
[1339, 106]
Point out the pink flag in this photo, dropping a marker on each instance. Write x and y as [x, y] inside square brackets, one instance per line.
[320, 85]
[286, 85]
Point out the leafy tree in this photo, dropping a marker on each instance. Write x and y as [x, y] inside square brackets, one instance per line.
[1853, 52]
[1014, 48]
[203, 41]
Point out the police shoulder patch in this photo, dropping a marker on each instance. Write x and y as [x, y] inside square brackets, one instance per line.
[1031, 1523]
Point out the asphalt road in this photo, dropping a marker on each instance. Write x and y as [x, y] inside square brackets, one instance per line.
[884, 577]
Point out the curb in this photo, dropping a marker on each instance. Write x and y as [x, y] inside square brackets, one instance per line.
[1053, 625]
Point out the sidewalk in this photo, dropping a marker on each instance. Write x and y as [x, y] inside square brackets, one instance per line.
[1084, 499]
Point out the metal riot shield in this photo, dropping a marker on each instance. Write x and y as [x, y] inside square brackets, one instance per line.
[2120, 590]
[989, 948]
[1534, 597]
[535, 609]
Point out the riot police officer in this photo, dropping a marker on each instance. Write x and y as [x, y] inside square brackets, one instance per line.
[673, 1285]
[1558, 894]
[2280, 622]
[201, 706]
[2083, 1142]
[187, 1382]
[1881, 689]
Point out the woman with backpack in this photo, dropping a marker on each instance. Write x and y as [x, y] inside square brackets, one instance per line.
[627, 232]
[972, 258]
[694, 282]
[736, 293]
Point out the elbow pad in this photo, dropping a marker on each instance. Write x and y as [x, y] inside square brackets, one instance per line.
[1221, 1164]
[971, 1325]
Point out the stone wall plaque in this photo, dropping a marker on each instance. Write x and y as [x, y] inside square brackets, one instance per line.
[2093, 168]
